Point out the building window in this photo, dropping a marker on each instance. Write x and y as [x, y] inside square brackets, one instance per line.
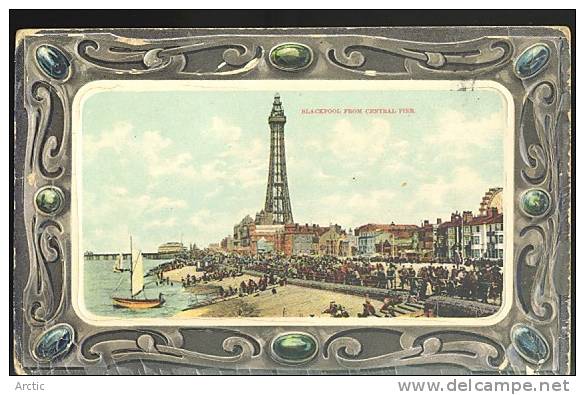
[500, 239]
[475, 239]
[477, 228]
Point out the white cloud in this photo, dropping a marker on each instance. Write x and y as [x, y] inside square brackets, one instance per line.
[207, 226]
[159, 154]
[351, 209]
[395, 165]
[118, 191]
[346, 141]
[313, 144]
[161, 223]
[163, 157]
[162, 161]
[371, 200]
[250, 166]
[114, 239]
[114, 139]
[222, 130]
[213, 192]
[321, 175]
[213, 171]
[163, 203]
[456, 133]
[200, 218]
[139, 212]
[131, 205]
[241, 162]
[462, 189]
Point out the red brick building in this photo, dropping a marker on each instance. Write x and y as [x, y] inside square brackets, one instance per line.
[302, 239]
[289, 239]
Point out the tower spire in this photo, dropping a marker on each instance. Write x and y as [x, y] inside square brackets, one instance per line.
[277, 196]
[277, 110]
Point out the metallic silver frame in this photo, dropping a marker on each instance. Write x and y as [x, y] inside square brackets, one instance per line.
[42, 264]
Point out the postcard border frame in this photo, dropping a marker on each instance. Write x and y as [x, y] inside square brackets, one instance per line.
[97, 87]
[542, 242]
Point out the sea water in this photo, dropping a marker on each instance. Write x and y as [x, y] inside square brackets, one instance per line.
[101, 283]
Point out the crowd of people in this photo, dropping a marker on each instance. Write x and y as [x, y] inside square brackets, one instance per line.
[479, 280]
[324, 268]
[388, 308]
[209, 275]
[251, 286]
[482, 282]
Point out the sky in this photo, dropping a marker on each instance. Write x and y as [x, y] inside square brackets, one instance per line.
[188, 165]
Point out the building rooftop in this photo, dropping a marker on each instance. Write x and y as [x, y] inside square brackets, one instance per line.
[487, 219]
[385, 227]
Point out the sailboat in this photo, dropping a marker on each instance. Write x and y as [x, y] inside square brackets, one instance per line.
[137, 287]
[118, 264]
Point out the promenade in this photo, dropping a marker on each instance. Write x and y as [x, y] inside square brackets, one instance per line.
[311, 285]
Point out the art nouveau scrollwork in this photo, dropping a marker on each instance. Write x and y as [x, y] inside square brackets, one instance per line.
[46, 165]
[144, 345]
[469, 354]
[545, 103]
[236, 57]
[475, 56]
[475, 353]
[51, 128]
[542, 102]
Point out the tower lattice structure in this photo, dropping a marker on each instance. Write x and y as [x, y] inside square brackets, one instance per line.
[277, 195]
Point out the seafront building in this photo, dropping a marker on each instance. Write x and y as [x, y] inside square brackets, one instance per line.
[172, 247]
[393, 240]
[301, 239]
[463, 237]
[487, 236]
[330, 242]
[426, 240]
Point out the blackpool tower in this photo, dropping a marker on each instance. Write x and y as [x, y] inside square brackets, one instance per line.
[277, 197]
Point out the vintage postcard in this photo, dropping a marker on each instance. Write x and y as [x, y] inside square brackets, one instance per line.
[282, 199]
[316, 201]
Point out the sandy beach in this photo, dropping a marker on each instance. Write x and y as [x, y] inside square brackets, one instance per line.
[177, 274]
[288, 301]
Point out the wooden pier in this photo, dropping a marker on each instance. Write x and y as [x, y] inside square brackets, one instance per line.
[113, 256]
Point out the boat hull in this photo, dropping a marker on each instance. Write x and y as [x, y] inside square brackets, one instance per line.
[127, 303]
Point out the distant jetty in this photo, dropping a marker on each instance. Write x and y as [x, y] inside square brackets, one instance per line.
[114, 256]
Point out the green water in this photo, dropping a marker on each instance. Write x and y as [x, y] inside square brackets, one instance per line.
[101, 283]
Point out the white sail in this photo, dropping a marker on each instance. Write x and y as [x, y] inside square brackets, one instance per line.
[137, 274]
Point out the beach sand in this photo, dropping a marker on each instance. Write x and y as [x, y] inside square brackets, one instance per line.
[177, 274]
[289, 301]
